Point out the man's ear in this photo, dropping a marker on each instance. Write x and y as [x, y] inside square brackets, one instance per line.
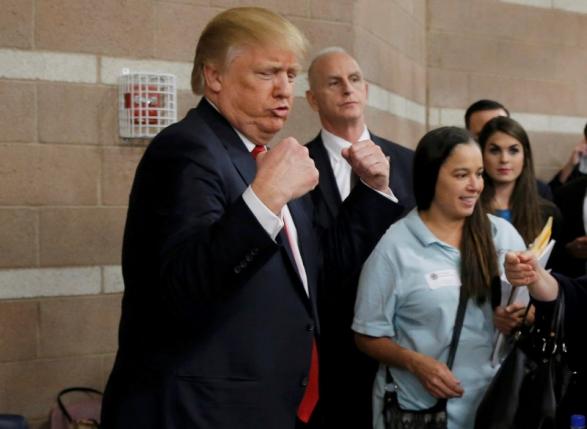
[213, 78]
[311, 99]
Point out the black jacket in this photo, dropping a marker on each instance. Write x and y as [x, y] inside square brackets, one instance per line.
[216, 328]
[347, 374]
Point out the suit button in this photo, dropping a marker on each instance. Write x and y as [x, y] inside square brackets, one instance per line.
[304, 382]
[249, 257]
[237, 270]
[243, 265]
[310, 328]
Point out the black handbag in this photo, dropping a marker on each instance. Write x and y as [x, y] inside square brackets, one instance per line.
[435, 417]
[532, 380]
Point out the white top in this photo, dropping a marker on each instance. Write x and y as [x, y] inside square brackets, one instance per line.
[272, 223]
[340, 167]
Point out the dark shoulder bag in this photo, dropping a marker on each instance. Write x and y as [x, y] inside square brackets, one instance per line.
[532, 380]
[435, 417]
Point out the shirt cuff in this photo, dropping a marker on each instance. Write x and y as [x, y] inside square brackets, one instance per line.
[391, 197]
[270, 222]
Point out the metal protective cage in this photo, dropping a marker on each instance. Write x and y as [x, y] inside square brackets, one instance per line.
[147, 103]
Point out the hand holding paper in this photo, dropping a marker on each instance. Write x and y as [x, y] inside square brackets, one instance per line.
[520, 270]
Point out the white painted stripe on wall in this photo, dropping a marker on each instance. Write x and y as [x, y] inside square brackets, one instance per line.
[301, 85]
[111, 69]
[443, 116]
[387, 101]
[571, 5]
[533, 122]
[440, 116]
[45, 282]
[60, 281]
[112, 279]
[579, 6]
[535, 3]
[51, 66]
[82, 68]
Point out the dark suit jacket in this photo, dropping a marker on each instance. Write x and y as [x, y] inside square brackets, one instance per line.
[347, 374]
[555, 182]
[544, 190]
[216, 328]
[569, 199]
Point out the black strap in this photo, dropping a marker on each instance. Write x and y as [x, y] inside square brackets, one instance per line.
[69, 390]
[456, 333]
[454, 342]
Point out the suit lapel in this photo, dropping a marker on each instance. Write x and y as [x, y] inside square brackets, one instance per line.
[246, 167]
[240, 156]
[386, 152]
[326, 183]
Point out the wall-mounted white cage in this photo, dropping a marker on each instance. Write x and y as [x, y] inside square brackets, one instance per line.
[147, 103]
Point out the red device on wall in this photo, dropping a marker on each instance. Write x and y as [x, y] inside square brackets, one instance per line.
[144, 99]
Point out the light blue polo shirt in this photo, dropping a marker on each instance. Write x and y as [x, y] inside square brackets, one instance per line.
[409, 291]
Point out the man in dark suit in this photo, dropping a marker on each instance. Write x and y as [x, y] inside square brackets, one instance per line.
[221, 262]
[338, 92]
[571, 199]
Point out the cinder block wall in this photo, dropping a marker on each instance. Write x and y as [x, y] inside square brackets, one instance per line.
[65, 175]
[532, 59]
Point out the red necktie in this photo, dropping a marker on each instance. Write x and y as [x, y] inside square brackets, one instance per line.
[310, 398]
[257, 150]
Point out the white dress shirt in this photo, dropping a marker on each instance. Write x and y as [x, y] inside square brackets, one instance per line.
[340, 167]
[273, 223]
[270, 222]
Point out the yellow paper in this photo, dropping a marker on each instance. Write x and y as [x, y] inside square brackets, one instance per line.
[543, 238]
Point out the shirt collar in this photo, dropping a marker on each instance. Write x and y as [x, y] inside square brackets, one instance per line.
[249, 144]
[417, 226]
[334, 144]
[419, 229]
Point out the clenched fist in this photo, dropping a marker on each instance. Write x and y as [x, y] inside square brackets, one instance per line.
[369, 163]
[284, 173]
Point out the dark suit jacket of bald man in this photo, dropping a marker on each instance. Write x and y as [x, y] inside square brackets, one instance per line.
[569, 199]
[347, 374]
[216, 328]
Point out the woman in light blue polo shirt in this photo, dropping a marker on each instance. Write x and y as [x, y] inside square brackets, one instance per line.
[409, 287]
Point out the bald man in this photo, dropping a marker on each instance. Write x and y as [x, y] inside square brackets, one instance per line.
[338, 93]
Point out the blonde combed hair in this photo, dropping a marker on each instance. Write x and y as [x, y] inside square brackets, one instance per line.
[239, 27]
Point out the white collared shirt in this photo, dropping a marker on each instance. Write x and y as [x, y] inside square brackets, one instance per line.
[340, 167]
[273, 223]
[270, 222]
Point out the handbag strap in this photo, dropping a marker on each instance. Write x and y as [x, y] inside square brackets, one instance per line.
[556, 335]
[456, 333]
[69, 390]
